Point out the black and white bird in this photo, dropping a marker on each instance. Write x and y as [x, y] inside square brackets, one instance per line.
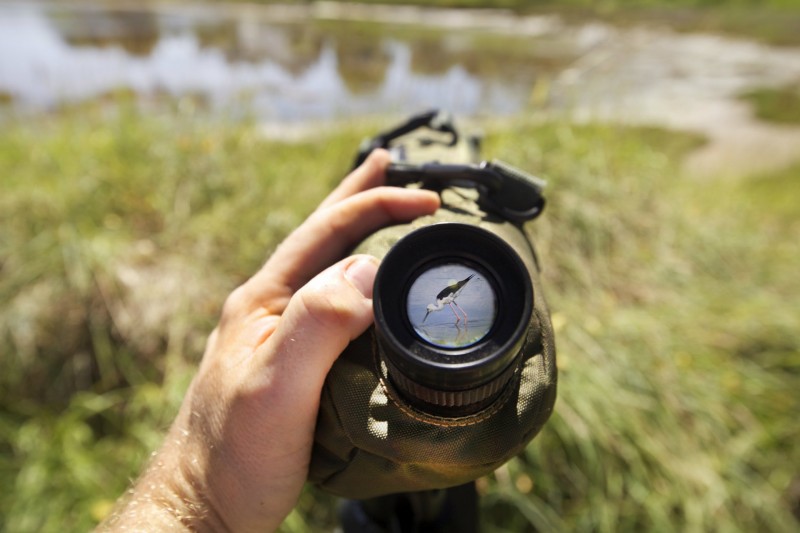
[447, 296]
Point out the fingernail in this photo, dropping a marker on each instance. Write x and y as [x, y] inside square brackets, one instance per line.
[361, 275]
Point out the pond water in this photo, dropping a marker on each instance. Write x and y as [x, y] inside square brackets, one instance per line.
[276, 62]
[294, 64]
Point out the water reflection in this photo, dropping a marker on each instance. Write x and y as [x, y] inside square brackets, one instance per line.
[256, 59]
[136, 32]
[363, 63]
[276, 69]
[293, 47]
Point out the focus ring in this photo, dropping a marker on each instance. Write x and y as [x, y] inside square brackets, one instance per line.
[443, 398]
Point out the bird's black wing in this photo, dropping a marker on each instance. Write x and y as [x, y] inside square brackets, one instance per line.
[450, 289]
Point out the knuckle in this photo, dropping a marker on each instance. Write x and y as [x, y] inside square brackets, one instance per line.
[327, 307]
[236, 303]
[324, 308]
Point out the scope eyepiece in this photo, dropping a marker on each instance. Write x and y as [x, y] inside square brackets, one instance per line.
[452, 306]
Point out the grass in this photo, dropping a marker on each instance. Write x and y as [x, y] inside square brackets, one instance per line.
[779, 105]
[674, 303]
[121, 234]
[678, 343]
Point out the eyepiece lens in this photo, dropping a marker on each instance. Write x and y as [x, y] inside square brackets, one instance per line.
[451, 305]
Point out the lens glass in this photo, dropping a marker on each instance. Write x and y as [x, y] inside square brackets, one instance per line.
[451, 305]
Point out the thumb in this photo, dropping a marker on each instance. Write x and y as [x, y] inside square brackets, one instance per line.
[319, 322]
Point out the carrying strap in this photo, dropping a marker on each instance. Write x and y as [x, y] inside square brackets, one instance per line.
[435, 120]
[503, 189]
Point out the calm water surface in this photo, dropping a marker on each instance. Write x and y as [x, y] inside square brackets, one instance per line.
[275, 64]
[286, 64]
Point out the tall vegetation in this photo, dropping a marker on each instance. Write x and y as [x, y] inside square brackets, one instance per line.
[674, 302]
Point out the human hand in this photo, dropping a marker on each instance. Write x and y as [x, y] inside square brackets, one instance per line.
[237, 455]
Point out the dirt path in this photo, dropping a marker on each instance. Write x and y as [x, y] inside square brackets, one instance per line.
[740, 145]
[691, 83]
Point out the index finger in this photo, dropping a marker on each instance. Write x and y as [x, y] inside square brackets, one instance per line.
[371, 173]
[328, 234]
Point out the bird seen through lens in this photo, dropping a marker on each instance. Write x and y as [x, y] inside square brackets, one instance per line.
[451, 305]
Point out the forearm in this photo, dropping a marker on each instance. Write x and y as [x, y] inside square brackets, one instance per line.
[167, 496]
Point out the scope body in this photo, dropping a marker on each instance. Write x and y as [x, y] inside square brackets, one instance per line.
[376, 437]
[458, 372]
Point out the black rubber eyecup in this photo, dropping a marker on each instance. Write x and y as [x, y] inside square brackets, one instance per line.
[451, 345]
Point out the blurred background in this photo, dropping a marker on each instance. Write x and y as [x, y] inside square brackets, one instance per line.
[153, 154]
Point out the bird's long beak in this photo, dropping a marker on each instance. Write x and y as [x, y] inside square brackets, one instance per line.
[426, 316]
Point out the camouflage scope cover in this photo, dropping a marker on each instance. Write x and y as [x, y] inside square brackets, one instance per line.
[370, 442]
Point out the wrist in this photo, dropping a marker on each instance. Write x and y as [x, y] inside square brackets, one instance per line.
[169, 496]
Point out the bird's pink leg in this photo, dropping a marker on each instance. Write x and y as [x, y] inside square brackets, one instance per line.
[462, 310]
[453, 309]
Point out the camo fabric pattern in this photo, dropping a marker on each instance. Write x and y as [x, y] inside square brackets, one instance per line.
[369, 442]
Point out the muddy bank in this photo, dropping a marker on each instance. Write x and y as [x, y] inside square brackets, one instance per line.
[686, 82]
